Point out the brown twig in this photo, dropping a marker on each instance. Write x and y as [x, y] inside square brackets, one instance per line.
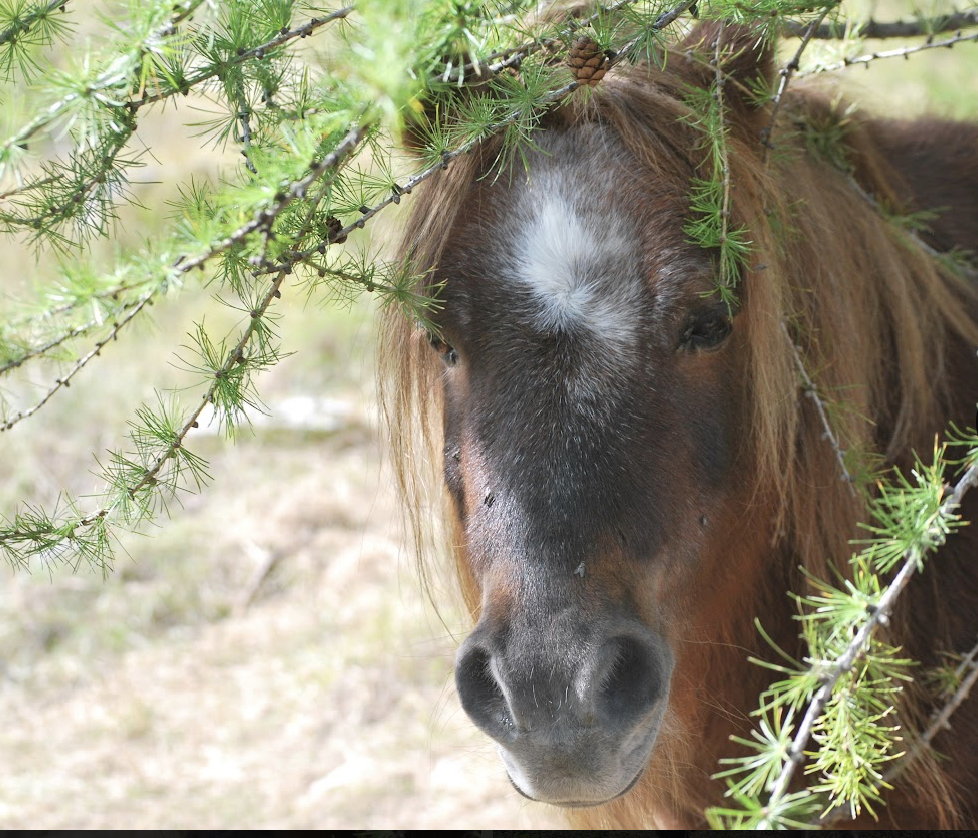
[268, 561]
[812, 392]
[24, 187]
[889, 29]
[65, 380]
[786, 73]
[902, 52]
[940, 718]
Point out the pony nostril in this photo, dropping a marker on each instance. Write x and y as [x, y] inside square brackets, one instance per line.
[629, 685]
[481, 695]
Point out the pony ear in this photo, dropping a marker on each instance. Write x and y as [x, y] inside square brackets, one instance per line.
[746, 61]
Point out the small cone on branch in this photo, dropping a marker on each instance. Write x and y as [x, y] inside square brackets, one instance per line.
[333, 227]
[587, 61]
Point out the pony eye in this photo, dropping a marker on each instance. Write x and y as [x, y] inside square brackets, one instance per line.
[705, 330]
[446, 350]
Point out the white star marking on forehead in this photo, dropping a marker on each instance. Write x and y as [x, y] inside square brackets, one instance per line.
[583, 269]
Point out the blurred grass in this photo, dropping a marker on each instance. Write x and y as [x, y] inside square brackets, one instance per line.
[181, 692]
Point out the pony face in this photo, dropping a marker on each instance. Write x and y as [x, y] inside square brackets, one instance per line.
[594, 430]
[634, 474]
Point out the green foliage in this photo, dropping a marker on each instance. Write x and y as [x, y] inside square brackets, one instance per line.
[26, 26]
[848, 683]
[826, 139]
[709, 226]
[316, 165]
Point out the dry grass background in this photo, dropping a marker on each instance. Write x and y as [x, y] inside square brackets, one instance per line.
[266, 658]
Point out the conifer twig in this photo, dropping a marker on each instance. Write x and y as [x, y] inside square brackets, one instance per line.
[880, 30]
[297, 191]
[719, 82]
[661, 22]
[967, 671]
[366, 213]
[181, 13]
[513, 56]
[80, 364]
[264, 218]
[786, 73]
[34, 184]
[134, 104]
[102, 177]
[243, 116]
[112, 76]
[111, 292]
[54, 343]
[902, 52]
[303, 31]
[962, 268]
[877, 617]
[812, 392]
[19, 28]
[448, 156]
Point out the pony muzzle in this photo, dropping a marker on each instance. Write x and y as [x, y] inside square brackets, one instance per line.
[576, 723]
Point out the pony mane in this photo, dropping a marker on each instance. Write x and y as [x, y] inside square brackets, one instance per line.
[873, 314]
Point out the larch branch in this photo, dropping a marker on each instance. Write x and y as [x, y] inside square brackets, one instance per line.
[303, 31]
[17, 29]
[889, 29]
[80, 364]
[106, 80]
[901, 52]
[858, 645]
[263, 219]
[812, 392]
[786, 73]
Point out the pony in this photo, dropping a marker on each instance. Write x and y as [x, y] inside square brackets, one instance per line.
[631, 469]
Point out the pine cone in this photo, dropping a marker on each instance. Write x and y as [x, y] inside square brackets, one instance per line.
[587, 61]
[333, 226]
